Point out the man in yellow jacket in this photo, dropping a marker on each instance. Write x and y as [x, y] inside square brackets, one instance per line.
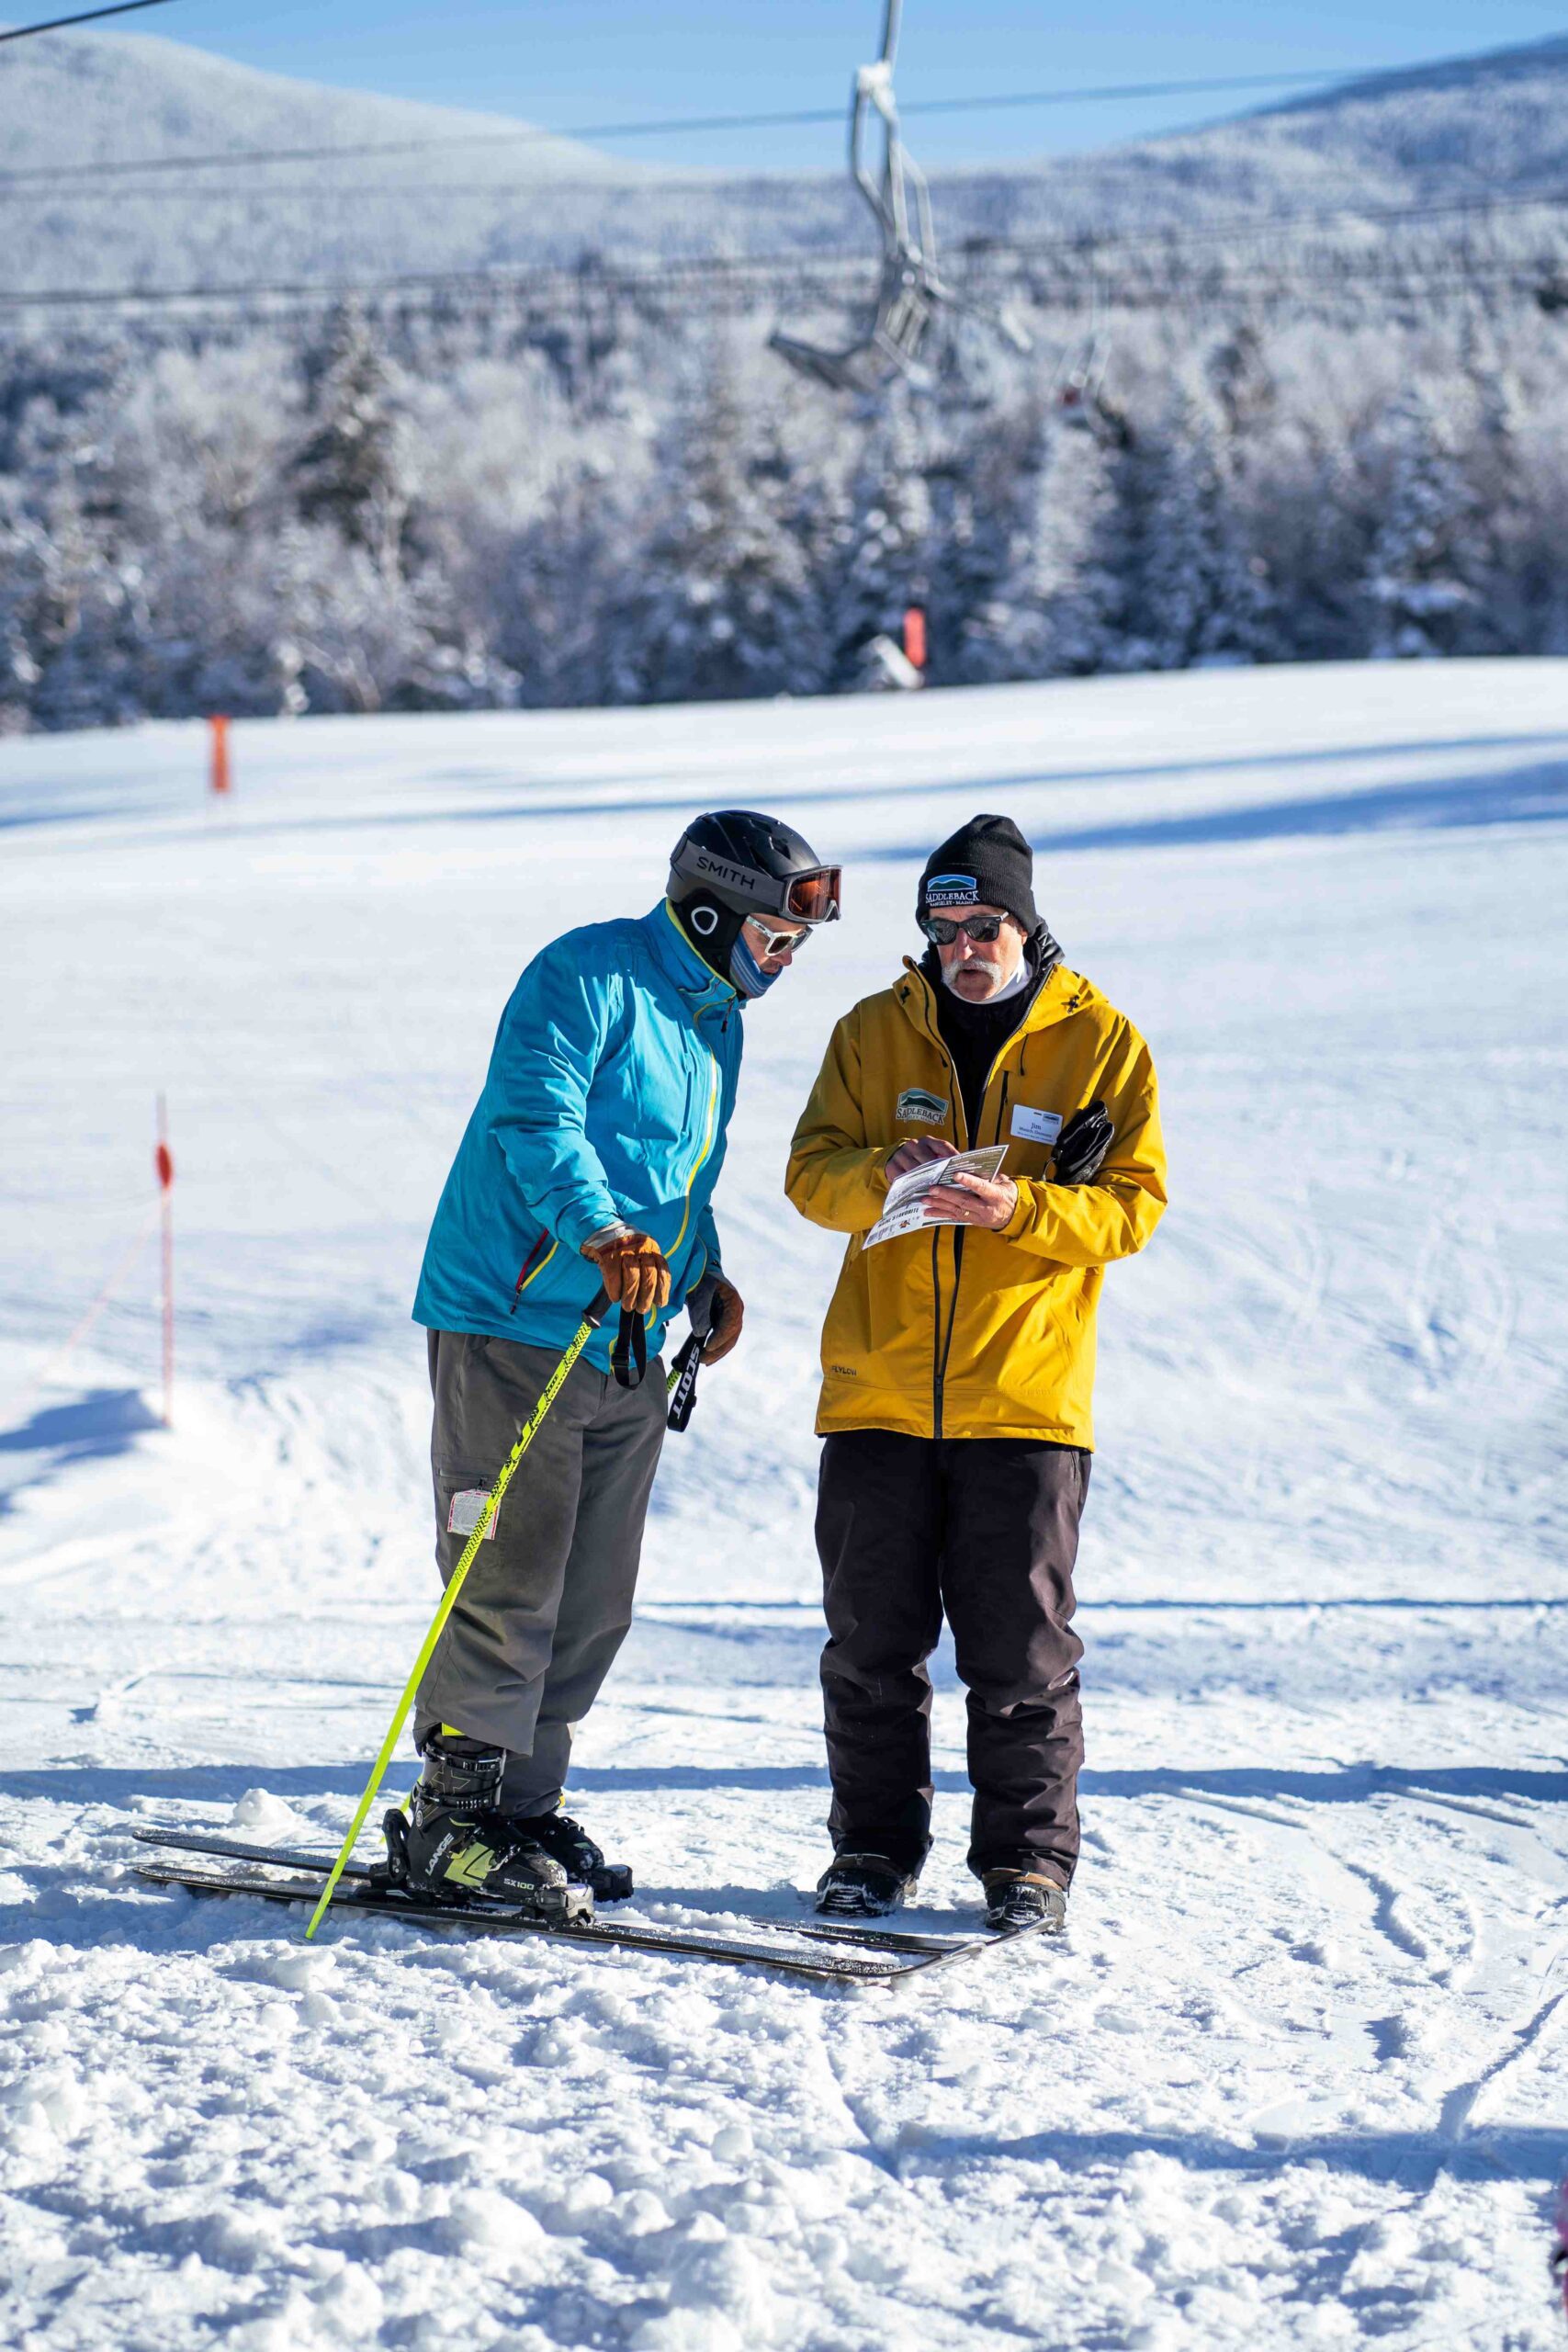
[958, 1372]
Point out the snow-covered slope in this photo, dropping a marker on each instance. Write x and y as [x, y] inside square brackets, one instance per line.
[1498, 118]
[1299, 2077]
[1491, 124]
[78, 100]
[66, 103]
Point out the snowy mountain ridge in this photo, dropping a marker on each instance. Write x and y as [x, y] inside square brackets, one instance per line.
[1490, 124]
[109, 95]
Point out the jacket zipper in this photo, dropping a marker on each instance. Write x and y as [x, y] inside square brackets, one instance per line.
[937, 1372]
[939, 1352]
[529, 1268]
[707, 1147]
[942, 1349]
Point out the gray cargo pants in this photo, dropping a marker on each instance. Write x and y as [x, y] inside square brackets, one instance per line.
[548, 1599]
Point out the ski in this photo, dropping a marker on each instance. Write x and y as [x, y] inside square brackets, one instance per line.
[199, 1841]
[385, 1903]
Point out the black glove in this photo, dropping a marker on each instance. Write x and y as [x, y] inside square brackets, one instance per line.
[1079, 1153]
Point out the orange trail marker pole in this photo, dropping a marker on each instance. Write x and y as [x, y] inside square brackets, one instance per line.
[219, 770]
[163, 1161]
[915, 636]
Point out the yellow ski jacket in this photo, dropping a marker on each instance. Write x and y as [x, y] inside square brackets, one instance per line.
[964, 1332]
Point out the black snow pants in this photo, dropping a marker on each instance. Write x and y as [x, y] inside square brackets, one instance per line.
[986, 1529]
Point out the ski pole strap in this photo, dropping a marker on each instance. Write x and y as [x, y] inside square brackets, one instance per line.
[628, 1356]
[592, 1317]
[683, 1382]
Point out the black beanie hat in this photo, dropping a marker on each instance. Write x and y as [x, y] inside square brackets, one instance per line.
[988, 860]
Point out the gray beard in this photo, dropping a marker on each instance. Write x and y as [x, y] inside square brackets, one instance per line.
[1015, 986]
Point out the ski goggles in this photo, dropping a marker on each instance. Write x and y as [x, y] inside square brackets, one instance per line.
[814, 897]
[981, 929]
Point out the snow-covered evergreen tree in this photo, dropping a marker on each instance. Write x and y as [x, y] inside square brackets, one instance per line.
[1504, 523]
[72, 597]
[718, 600]
[1422, 578]
[560, 572]
[1200, 590]
[350, 471]
[885, 539]
[1054, 609]
[21, 560]
[442, 509]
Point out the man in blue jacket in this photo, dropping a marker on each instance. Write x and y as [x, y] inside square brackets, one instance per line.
[591, 1159]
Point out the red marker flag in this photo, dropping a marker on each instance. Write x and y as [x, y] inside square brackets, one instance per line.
[164, 1164]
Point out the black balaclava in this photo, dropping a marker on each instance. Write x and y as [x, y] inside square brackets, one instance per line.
[712, 927]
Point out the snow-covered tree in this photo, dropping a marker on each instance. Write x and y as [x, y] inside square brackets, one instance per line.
[1055, 606]
[720, 601]
[885, 538]
[1423, 576]
[1201, 591]
[350, 470]
[440, 509]
[560, 571]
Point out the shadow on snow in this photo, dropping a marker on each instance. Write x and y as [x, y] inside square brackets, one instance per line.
[94, 1427]
[120, 1785]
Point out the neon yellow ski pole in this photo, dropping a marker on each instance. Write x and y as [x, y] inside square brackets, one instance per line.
[530, 1429]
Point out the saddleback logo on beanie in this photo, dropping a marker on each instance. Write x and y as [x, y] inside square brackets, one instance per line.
[950, 889]
[925, 1110]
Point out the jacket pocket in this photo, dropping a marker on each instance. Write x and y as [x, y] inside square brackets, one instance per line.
[533, 1264]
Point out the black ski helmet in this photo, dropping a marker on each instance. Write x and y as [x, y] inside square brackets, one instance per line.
[732, 863]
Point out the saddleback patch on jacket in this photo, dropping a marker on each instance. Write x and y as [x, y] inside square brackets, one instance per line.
[925, 1110]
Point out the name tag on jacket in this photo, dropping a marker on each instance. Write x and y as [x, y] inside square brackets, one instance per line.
[1035, 1126]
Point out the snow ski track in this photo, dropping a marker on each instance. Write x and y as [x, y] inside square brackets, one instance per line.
[1456, 2116]
[1462, 1307]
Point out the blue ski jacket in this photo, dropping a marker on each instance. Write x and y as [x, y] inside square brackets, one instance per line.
[610, 1089]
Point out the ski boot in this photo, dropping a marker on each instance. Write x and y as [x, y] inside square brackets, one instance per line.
[862, 1886]
[572, 1848]
[455, 1846]
[1025, 1899]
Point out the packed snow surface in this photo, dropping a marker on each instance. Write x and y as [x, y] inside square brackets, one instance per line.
[1297, 2076]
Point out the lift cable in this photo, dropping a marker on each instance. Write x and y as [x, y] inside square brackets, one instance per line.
[1069, 238]
[451, 288]
[1327, 80]
[87, 17]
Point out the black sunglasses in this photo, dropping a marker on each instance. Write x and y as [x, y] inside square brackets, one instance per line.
[979, 928]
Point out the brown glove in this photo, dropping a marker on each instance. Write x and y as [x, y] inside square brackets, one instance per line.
[728, 1315]
[635, 1269]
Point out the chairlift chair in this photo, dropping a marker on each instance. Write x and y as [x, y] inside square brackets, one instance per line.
[910, 289]
[1079, 381]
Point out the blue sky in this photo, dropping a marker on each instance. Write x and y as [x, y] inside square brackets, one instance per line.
[570, 62]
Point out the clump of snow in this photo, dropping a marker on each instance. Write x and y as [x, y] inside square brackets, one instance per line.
[262, 1819]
